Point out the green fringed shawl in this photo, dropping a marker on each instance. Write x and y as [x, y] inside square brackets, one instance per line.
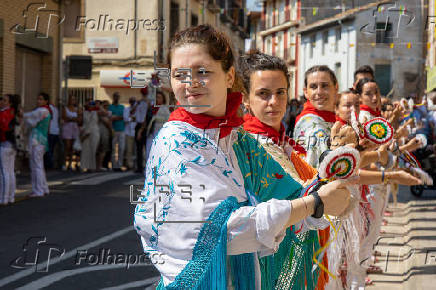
[291, 266]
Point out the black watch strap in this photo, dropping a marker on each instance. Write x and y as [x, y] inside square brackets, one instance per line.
[318, 211]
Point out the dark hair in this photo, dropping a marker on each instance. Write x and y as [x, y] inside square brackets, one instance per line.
[217, 45]
[364, 69]
[320, 68]
[14, 101]
[361, 83]
[258, 61]
[159, 92]
[346, 92]
[45, 97]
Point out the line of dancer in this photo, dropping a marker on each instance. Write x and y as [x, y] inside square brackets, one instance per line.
[231, 202]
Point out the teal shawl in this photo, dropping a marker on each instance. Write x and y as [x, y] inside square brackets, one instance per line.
[289, 268]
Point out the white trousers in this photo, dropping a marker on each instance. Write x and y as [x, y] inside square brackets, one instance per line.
[7, 174]
[89, 149]
[119, 139]
[39, 181]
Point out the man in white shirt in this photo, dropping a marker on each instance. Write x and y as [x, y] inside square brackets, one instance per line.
[53, 137]
[129, 130]
[140, 137]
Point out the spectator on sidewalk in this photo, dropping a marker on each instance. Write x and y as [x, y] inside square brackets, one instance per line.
[8, 120]
[130, 124]
[90, 137]
[140, 135]
[53, 137]
[119, 138]
[160, 117]
[70, 130]
[105, 127]
[39, 121]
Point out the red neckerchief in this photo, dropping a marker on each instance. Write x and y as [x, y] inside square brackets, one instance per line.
[6, 116]
[342, 121]
[255, 126]
[49, 109]
[95, 108]
[376, 113]
[310, 109]
[203, 121]
[154, 110]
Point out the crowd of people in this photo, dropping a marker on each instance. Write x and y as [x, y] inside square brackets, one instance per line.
[98, 137]
[232, 201]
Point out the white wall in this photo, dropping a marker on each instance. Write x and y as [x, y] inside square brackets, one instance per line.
[345, 54]
[403, 60]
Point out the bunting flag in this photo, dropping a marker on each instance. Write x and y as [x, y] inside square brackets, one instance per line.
[409, 45]
[314, 11]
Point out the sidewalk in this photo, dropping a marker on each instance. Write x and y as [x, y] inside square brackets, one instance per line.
[54, 178]
[408, 245]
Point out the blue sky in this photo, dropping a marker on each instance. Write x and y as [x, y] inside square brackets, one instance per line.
[254, 5]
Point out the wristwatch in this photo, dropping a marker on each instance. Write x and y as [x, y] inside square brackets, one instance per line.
[319, 206]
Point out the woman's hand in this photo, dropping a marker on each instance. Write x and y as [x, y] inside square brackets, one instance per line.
[384, 154]
[335, 197]
[342, 135]
[412, 145]
[402, 177]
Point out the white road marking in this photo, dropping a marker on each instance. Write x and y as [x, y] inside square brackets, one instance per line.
[102, 178]
[139, 283]
[58, 276]
[72, 253]
[136, 182]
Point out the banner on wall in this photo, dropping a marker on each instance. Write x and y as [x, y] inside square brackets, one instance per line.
[431, 79]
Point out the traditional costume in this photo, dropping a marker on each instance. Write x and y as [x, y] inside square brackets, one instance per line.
[312, 131]
[213, 200]
[7, 156]
[39, 121]
[287, 152]
[377, 197]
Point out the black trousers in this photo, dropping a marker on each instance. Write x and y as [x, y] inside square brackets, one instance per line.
[140, 147]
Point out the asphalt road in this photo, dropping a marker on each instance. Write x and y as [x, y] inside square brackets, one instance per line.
[83, 229]
[81, 237]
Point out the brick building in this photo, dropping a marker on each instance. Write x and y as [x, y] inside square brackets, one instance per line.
[29, 49]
